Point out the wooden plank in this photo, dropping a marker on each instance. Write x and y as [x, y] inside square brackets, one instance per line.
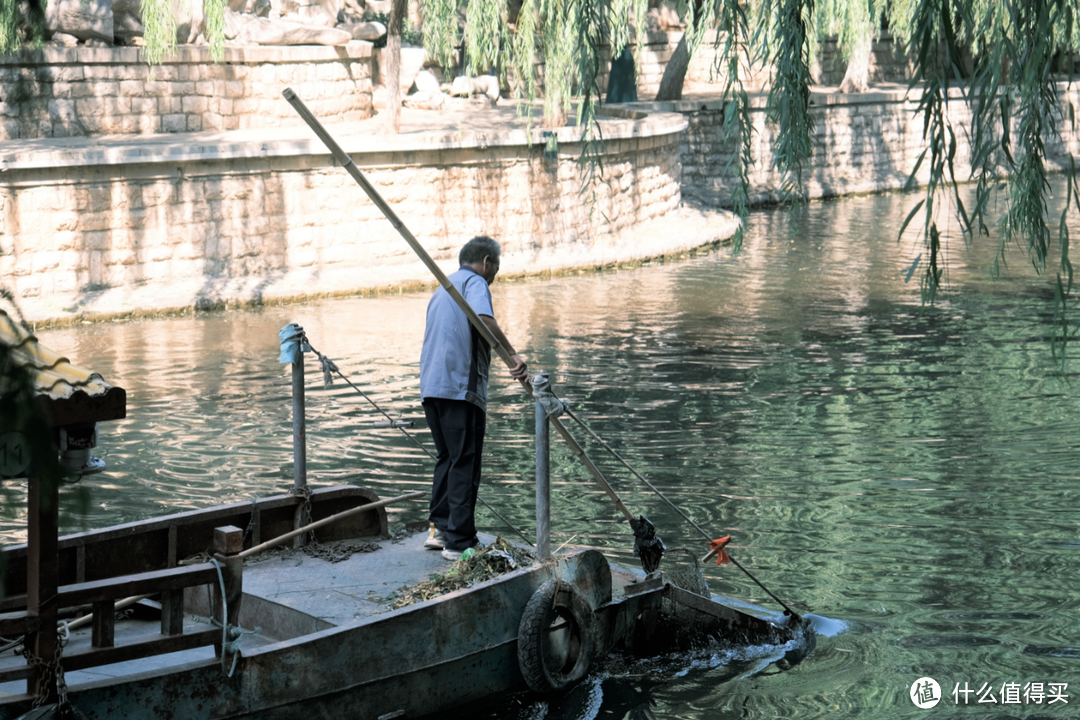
[145, 646]
[138, 584]
[12, 603]
[172, 612]
[148, 646]
[729, 617]
[17, 623]
[43, 499]
[325, 501]
[104, 625]
[82, 408]
[172, 559]
[22, 672]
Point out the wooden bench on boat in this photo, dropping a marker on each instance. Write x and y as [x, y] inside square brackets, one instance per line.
[97, 568]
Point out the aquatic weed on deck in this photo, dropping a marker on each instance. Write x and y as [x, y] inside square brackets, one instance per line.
[496, 559]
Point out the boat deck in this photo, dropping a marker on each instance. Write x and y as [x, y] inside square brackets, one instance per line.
[350, 591]
[327, 594]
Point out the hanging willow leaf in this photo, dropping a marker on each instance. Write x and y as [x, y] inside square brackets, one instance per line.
[441, 30]
[483, 35]
[215, 27]
[159, 30]
[789, 96]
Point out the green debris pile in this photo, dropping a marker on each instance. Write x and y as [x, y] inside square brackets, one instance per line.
[496, 559]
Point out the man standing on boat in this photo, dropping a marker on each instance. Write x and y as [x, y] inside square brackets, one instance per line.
[453, 388]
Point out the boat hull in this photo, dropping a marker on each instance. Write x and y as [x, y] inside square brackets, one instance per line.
[437, 656]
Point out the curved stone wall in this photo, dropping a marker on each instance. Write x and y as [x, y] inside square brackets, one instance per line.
[111, 227]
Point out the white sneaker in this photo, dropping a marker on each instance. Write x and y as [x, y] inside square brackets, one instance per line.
[435, 539]
[458, 554]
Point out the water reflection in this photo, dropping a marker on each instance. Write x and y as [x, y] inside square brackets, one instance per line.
[910, 473]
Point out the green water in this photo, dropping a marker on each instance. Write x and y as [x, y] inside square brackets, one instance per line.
[911, 477]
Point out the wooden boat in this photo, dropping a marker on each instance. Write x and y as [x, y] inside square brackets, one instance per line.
[326, 643]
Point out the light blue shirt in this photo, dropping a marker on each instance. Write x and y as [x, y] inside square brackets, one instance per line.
[455, 358]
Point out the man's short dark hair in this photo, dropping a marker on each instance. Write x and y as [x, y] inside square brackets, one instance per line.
[477, 249]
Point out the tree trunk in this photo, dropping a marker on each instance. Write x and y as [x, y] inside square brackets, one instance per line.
[671, 84]
[392, 77]
[857, 77]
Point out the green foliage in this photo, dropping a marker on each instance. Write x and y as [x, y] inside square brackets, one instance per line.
[483, 35]
[215, 27]
[554, 49]
[9, 27]
[1013, 97]
[440, 30]
[159, 30]
[733, 36]
[409, 34]
[22, 23]
[788, 23]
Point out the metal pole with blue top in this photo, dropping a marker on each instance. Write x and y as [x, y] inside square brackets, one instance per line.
[292, 351]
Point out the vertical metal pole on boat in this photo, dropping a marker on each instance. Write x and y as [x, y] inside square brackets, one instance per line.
[298, 427]
[42, 564]
[543, 479]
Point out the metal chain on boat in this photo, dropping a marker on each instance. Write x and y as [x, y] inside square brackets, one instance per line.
[251, 521]
[329, 366]
[303, 516]
[230, 634]
[51, 673]
[61, 681]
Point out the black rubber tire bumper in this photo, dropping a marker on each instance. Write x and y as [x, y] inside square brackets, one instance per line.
[556, 637]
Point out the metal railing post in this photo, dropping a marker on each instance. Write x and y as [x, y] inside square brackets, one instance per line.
[543, 483]
[298, 426]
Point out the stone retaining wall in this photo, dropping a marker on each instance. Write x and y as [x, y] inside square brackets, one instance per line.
[71, 92]
[262, 220]
[864, 142]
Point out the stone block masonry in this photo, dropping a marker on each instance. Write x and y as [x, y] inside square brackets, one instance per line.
[202, 222]
[865, 142]
[75, 92]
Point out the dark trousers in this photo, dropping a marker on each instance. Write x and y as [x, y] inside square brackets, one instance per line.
[457, 427]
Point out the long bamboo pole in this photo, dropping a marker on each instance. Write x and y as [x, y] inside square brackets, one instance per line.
[346, 162]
